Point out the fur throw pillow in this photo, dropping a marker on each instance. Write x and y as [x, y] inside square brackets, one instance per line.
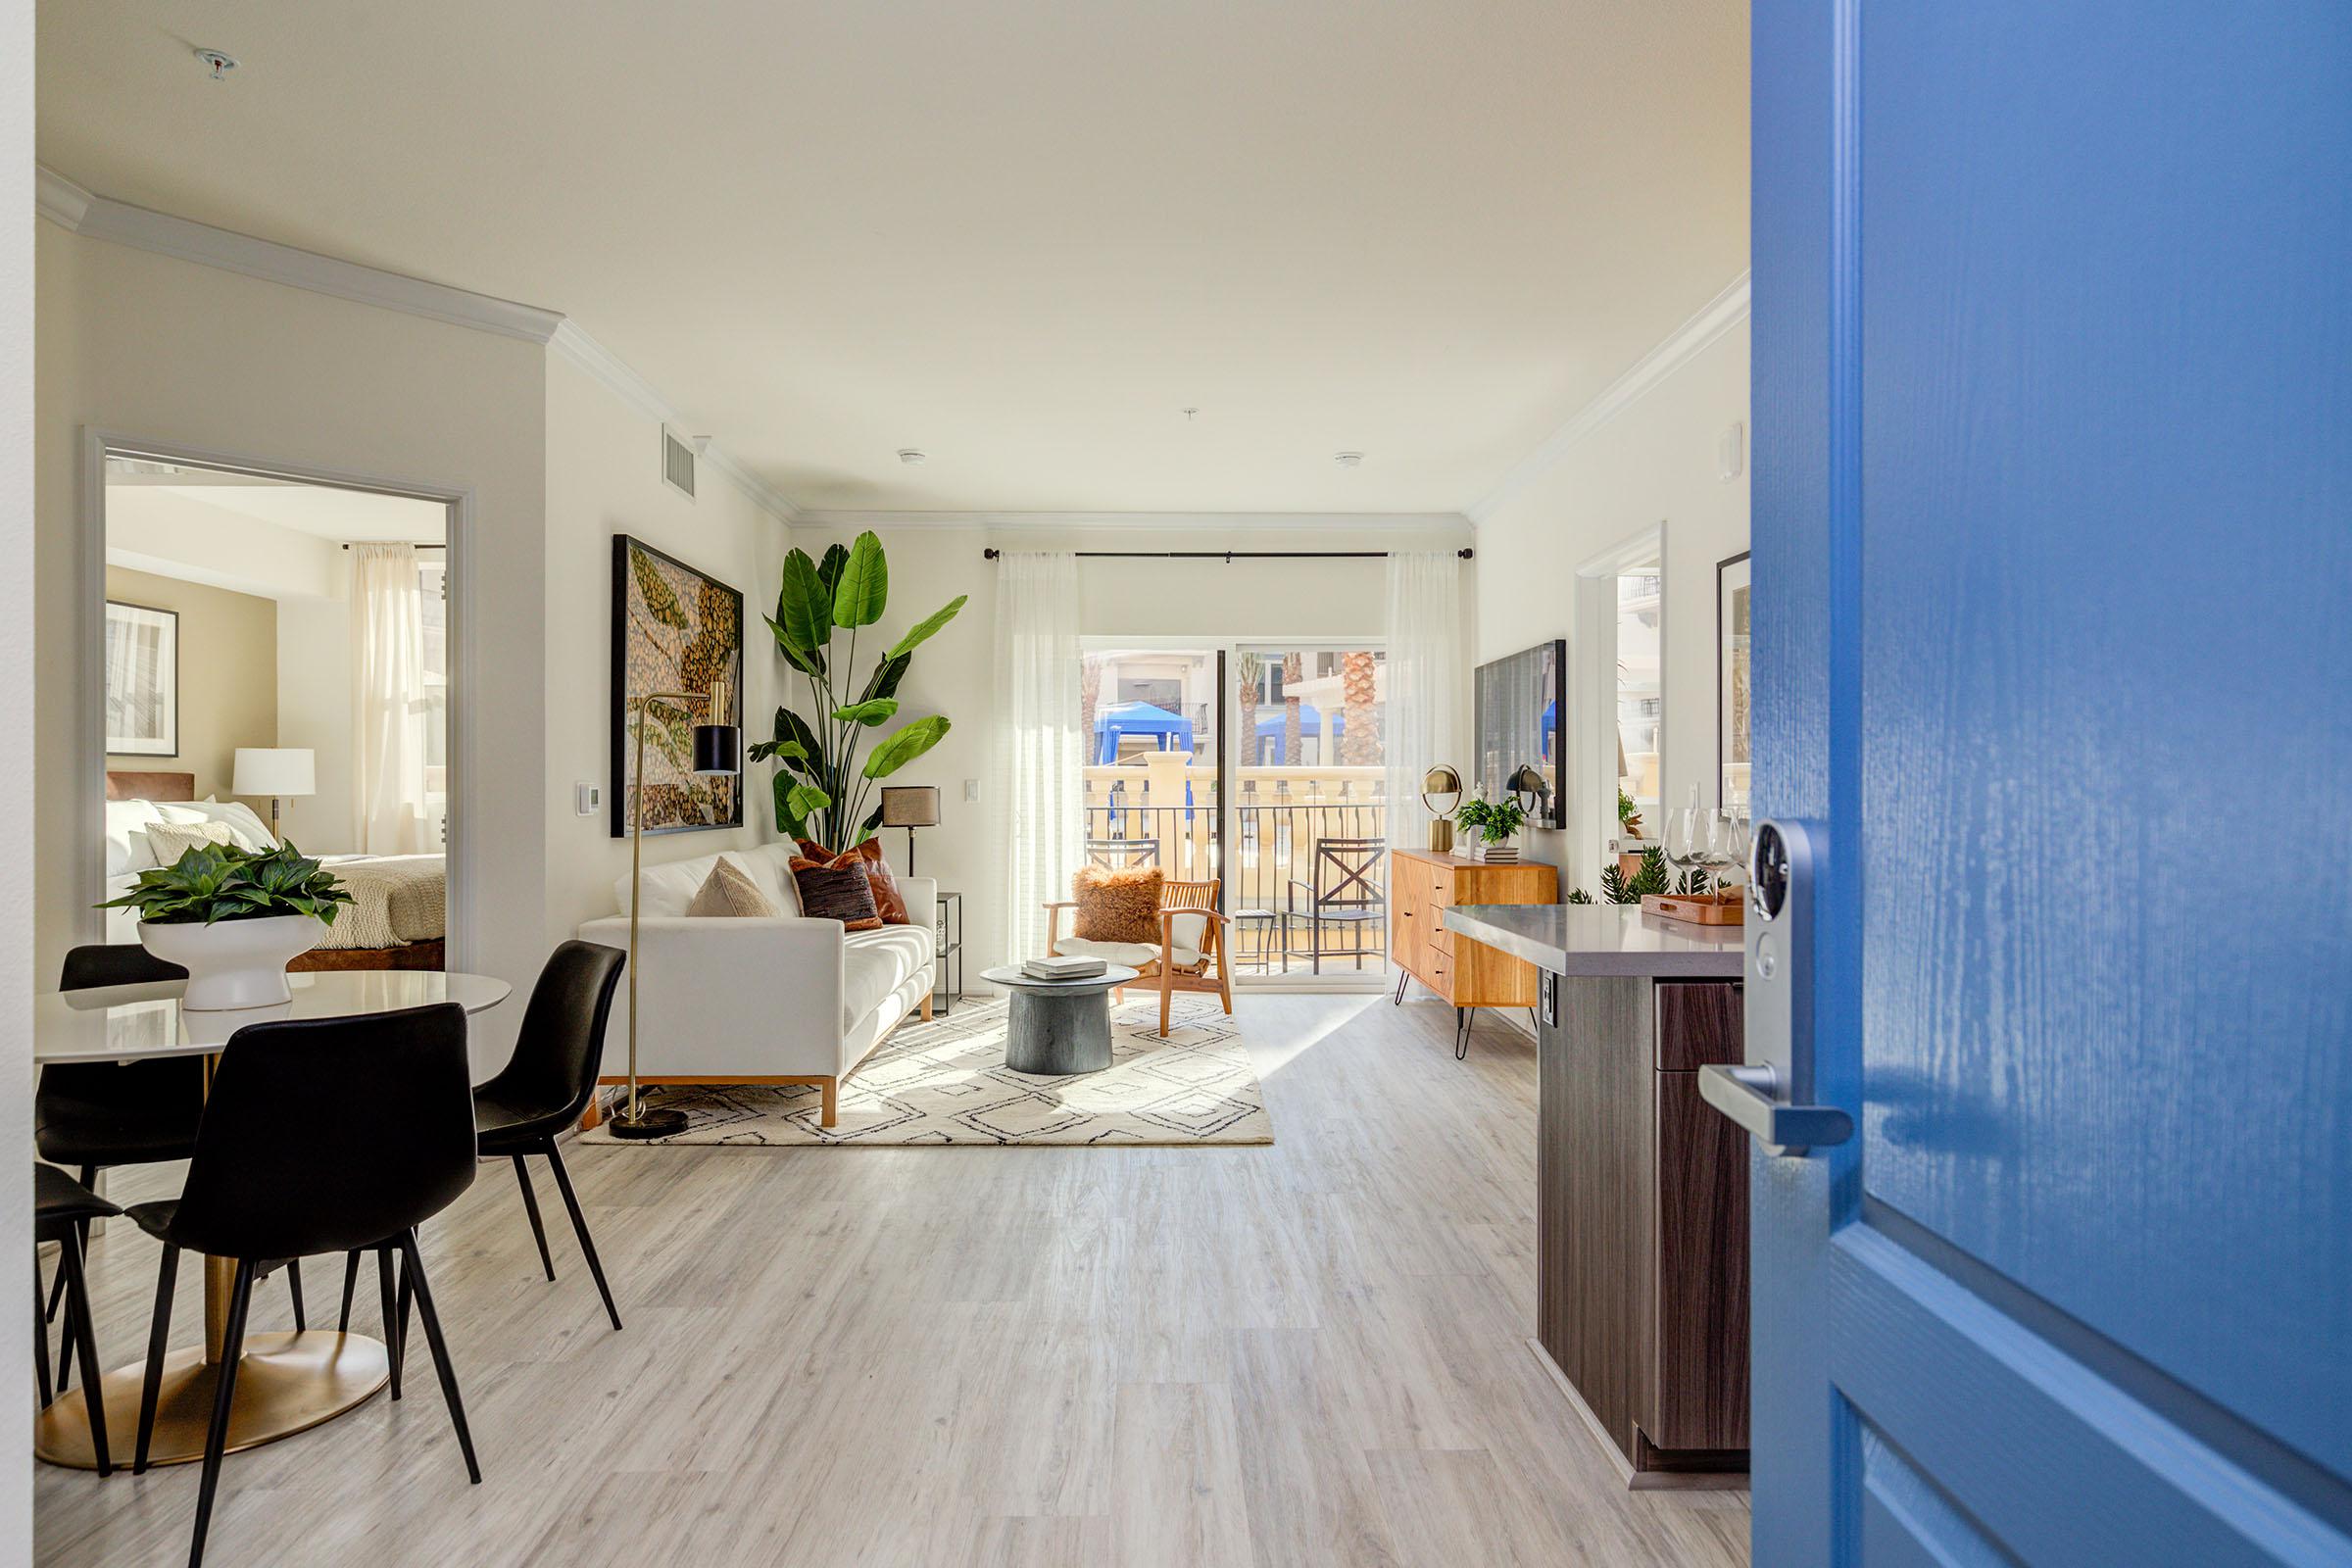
[889, 903]
[1118, 905]
[836, 893]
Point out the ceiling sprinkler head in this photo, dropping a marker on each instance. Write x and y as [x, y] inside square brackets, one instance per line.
[909, 454]
[1348, 460]
[222, 64]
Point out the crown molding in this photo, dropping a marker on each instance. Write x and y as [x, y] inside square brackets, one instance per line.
[1172, 522]
[1676, 349]
[70, 207]
[80, 212]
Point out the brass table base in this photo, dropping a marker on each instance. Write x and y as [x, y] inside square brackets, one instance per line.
[286, 1383]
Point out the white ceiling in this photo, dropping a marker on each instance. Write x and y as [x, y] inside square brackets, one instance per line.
[1021, 236]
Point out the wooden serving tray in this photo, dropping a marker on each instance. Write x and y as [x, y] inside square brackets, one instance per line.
[1716, 909]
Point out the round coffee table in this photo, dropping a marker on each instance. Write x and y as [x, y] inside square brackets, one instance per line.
[1058, 1027]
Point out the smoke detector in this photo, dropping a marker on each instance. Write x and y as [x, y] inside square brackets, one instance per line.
[1348, 460]
[910, 455]
[222, 65]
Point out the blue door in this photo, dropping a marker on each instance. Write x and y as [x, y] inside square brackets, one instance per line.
[2053, 667]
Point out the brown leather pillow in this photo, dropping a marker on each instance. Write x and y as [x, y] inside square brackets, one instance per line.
[836, 893]
[1118, 905]
[889, 903]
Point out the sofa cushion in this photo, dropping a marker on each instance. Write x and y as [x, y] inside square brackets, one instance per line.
[1134, 954]
[729, 892]
[875, 963]
[836, 893]
[889, 903]
[769, 866]
[668, 888]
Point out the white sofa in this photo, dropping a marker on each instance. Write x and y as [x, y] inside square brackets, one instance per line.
[787, 999]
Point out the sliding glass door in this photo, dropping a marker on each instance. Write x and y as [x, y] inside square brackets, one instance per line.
[1152, 718]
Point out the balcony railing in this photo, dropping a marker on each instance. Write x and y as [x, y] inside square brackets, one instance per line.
[1170, 820]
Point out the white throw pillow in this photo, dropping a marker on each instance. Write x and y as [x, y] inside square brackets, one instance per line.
[245, 829]
[669, 888]
[172, 840]
[126, 846]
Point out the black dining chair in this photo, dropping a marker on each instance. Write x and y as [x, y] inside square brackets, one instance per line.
[93, 1115]
[296, 1156]
[542, 1090]
[61, 1210]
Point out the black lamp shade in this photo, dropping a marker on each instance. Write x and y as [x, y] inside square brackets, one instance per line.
[717, 749]
[910, 805]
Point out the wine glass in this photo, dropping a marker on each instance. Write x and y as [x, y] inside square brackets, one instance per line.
[1687, 833]
[1726, 848]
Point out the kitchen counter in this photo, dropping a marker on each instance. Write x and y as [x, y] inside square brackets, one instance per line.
[1602, 939]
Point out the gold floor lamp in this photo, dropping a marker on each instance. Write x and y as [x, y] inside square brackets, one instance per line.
[717, 754]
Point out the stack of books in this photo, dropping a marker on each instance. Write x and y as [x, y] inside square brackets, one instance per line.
[1496, 854]
[1059, 968]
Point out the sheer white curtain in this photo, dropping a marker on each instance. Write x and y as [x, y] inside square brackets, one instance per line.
[388, 699]
[1426, 698]
[1041, 755]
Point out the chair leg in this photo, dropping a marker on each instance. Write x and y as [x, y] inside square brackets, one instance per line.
[411, 1272]
[40, 1335]
[159, 1339]
[393, 1338]
[57, 1291]
[530, 1206]
[302, 1322]
[579, 1221]
[216, 1442]
[78, 1322]
[1168, 995]
[351, 1280]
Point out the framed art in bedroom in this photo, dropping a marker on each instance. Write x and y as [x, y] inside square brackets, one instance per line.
[142, 680]
[674, 630]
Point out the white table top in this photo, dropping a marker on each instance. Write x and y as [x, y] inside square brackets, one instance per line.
[1117, 974]
[116, 1023]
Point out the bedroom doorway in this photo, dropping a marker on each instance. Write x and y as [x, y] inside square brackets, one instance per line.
[274, 666]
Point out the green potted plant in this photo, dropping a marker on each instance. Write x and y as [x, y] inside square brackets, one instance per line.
[1491, 824]
[234, 919]
[821, 789]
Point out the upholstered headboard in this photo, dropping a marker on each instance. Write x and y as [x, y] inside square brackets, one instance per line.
[150, 786]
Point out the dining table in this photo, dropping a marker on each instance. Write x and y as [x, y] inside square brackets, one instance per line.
[287, 1381]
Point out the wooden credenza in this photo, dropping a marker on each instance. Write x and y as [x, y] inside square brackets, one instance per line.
[1422, 886]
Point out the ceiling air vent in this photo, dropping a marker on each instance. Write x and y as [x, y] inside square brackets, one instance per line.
[677, 461]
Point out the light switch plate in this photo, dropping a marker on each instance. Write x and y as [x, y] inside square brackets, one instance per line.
[587, 799]
[972, 789]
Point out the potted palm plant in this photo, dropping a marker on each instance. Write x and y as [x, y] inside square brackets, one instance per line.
[234, 919]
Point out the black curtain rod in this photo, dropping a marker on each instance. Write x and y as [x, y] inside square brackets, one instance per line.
[412, 547]
[1231, 555]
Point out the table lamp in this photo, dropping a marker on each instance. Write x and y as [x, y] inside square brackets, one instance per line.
[276, 772]
[717, 754]
[1530, 788]
[1441, 780]
[910, 805]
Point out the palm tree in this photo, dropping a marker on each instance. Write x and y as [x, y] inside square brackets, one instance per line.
[1293, 672]
[1089, 697]
[1360, 746]
[1252, 671]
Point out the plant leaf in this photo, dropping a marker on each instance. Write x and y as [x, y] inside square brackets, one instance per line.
[864, 588]
[807, 661]
[884, 681]
[828, 570]
[906, 746]
[922, 629]
[793, 731]
[804, 610]
[869, 713]
[807, 798]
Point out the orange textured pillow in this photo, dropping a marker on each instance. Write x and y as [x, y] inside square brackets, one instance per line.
[889, 902]
[1118, 905]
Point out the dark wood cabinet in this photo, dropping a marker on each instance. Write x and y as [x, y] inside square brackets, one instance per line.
[1644, 1221]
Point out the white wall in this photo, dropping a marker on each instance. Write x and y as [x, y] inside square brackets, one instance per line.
[955, 672]
[160, 349]
[315, 708]
[603, 478]
[19, 651]
[1655, 462]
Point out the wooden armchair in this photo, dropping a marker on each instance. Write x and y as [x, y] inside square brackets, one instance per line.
[1209, 971]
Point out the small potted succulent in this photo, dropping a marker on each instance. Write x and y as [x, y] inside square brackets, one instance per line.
[1491, 824]
[234, 919]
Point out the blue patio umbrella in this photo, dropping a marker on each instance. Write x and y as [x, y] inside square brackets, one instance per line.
[1311, 722]
[1174, 732]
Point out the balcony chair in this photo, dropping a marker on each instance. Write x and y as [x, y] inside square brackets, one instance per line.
[1190, 954]
[1341, 890]
[1120, 854]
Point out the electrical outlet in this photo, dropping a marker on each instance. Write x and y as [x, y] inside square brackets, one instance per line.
[587, 799]
[972, 789]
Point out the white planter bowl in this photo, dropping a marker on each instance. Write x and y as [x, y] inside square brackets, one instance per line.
[234, 963]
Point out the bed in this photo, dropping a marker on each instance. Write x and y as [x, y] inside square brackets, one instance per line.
[397, 921]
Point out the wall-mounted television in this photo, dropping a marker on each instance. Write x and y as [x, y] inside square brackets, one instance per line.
[1522, 705]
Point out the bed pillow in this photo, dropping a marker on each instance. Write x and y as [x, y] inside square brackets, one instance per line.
[889, 903]
[126, 846]
[245, 829]
[729, 892]
[172, 840]
[1119, 905]
[836, 893]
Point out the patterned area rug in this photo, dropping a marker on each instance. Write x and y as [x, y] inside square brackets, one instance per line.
[946, 1082]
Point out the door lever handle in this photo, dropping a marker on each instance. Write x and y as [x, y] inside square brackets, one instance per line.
[1749, 1096]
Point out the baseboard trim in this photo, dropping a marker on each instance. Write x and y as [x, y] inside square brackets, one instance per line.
[1634, 1480]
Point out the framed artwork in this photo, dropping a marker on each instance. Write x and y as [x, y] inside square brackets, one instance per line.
[1732, 679]
[142, 681]
[674, 630]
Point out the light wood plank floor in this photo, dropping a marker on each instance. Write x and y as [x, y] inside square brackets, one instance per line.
[1312, 1353]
